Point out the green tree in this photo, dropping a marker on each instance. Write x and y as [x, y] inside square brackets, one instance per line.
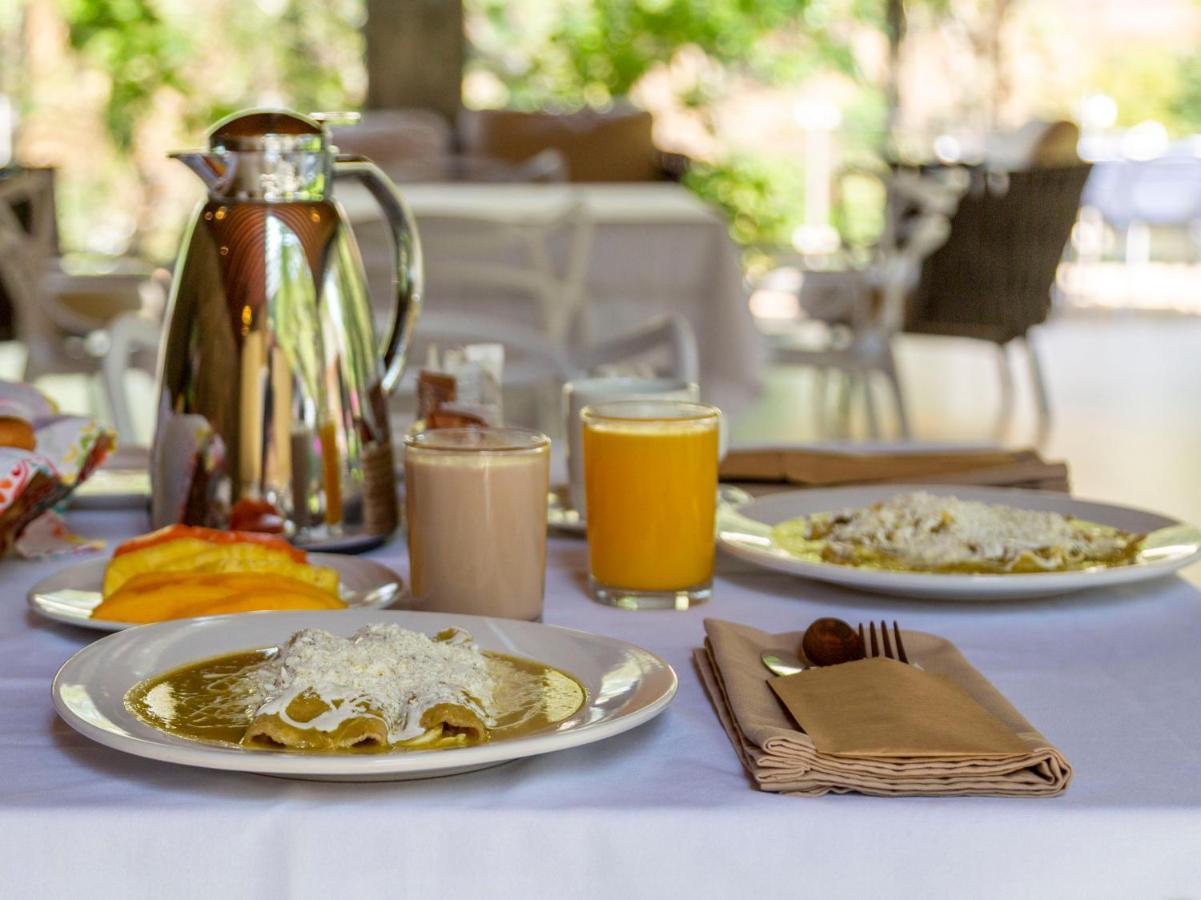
[592, 51]
[1186, 104]
[294, 48]
[170, 72]
[140, 52]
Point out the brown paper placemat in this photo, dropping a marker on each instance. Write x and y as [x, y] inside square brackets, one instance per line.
[828, 468]
[780, 757]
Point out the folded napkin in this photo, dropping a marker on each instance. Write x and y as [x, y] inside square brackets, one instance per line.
[875, 726]
[828, 468]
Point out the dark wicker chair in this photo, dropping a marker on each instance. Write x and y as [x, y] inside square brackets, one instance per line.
[992, 278]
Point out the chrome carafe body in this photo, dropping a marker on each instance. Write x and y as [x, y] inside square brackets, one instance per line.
[272, 382]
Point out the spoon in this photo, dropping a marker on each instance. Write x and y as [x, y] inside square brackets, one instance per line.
[781, 662]
[827, 642]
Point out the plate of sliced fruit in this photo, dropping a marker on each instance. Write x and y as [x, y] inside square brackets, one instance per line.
[182, 572]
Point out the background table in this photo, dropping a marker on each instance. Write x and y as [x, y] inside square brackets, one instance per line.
[664, 810]
[652, 248]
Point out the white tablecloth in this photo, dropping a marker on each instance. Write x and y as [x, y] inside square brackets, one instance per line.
[654, 248]
[662, 811]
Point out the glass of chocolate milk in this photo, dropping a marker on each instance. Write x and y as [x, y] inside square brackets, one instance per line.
[475, 500]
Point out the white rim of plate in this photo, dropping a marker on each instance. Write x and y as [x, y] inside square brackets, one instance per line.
[157, 745]
[751, 547]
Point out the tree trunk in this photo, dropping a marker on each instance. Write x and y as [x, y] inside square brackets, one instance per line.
[896, 27]
[415, 51]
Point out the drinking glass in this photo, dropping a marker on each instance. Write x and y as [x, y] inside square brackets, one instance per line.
[590, 391]
[650, 473]
[475, 500]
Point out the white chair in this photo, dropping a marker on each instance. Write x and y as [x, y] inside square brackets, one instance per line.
[22, 260]
[129, 336]
[858, 311]
[19, 271]
[56, 311]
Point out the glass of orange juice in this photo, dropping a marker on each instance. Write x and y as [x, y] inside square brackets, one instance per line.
[650, 479]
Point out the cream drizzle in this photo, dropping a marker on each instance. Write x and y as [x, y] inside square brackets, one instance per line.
[929, 530]
[381, 670]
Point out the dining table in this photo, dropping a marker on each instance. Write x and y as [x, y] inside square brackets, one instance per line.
[666, 809]
[640, 249]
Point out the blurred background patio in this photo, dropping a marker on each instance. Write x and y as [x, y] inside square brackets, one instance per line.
[875, 216]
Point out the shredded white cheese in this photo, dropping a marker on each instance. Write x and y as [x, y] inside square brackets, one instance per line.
[398, 672]
[929, 531]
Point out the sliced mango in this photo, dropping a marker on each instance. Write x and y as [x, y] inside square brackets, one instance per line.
[157, 596]
[200, 555]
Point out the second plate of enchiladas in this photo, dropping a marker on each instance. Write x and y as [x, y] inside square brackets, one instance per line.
[356, 695]
[959, 543]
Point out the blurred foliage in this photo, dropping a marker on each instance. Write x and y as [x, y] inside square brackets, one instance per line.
[1186, 104]
[598, 49]
[1144, 85]
[759, 196]
[173, 67]
[762, 197]
[167, 69]
[590, 53]
[139, 51]
[145, 47]
[858, 211]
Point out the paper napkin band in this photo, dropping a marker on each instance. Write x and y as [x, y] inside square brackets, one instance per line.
[780, 757]
[821, 468]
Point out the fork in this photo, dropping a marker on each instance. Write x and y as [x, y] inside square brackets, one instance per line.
[884, 644]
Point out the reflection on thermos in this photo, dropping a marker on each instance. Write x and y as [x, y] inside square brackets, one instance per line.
[273, 408]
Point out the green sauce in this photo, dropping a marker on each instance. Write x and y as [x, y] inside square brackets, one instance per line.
[209, 700]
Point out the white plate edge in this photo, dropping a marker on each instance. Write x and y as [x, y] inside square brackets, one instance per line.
[214, 757]
[930, 584]
[34, 601]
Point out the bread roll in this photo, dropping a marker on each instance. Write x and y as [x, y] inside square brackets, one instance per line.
[17, 433]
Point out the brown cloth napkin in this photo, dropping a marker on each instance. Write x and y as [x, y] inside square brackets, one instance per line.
[874, 727]
[828, 468]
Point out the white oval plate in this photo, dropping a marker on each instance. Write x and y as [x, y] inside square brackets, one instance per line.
[746, 532]
[70, 594]
[626, 686]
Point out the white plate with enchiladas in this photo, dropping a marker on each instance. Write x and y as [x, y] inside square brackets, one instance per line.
[356, 695]
[956, 543]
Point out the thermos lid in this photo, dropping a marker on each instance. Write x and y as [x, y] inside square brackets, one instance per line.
[268, 155]
[272, 155]
[276, 130]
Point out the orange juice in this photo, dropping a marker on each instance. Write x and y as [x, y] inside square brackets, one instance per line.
[650, 472]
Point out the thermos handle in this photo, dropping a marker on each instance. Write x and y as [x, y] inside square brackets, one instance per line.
[409, 279]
